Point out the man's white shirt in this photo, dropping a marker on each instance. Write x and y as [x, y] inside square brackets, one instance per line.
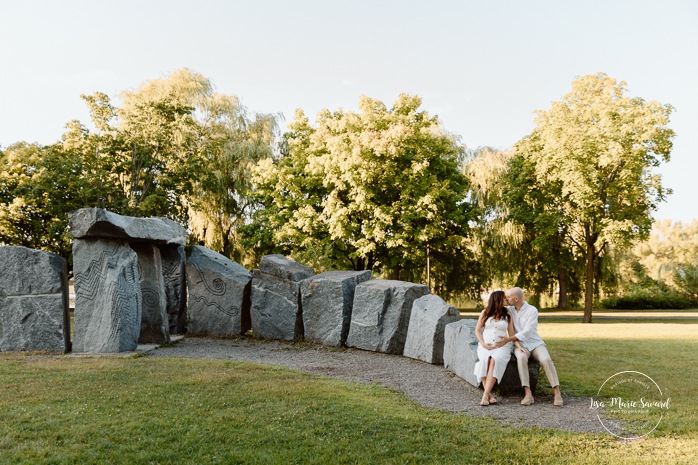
[526, 326]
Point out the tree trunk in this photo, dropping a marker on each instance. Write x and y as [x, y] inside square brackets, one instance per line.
[563, 283]
[589, 284]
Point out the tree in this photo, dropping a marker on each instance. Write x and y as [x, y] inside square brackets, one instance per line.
[598, 147]
[519, 235]
[38, 187]
[222, 198]
[379, 189]
[669, 256]
[495, 240]
[161, 153]
[176, 149]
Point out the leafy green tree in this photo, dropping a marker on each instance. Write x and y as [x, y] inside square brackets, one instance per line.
[38, 187]
[98, 155]
[379, 189]
[597, 148]
[545, 257]
[519, 235]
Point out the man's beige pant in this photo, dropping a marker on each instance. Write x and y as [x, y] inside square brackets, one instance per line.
[541, 354]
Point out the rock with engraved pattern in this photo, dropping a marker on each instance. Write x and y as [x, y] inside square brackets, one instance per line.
[219, 294]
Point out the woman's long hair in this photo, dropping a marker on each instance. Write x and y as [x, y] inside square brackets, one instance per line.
[495, 307]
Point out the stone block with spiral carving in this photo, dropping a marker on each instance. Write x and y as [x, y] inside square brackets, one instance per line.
[219, 294]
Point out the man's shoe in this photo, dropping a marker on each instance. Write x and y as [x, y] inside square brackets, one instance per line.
[527, 400]
[558, 400]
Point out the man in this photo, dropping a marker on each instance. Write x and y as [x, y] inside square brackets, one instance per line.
[526, 326]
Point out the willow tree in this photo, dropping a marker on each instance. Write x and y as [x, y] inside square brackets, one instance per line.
[496, 240]
[161, 151]
[519, 235]
[174, 148]
[232, 142]
[379, 189]
[597, 147]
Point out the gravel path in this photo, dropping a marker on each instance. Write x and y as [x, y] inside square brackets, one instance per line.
[430, 385]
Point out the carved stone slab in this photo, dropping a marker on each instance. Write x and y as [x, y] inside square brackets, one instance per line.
[108, 296]
[155, 324]
[460, 349]
[173, 272]
[219, 294]
[276, 306]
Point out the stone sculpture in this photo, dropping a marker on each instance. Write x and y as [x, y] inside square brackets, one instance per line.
[327, 301]
[106, 248]
[108, 299]
[155, 325]
[33, 301]
[174, 275]
[425, 335]
[276, 306]
[219, 294]
[381, 314]
[101, 223]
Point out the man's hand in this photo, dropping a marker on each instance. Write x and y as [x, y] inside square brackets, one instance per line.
[526, 352]
[501, 342]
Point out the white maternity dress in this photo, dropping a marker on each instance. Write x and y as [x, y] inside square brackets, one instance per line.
[494, 329]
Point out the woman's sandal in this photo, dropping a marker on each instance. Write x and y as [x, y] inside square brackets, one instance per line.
[492, 400]
[484, 403]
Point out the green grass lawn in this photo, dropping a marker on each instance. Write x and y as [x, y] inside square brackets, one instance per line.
[587, 354]
[66, 410]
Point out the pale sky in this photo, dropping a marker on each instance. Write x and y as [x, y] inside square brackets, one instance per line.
[483, 67]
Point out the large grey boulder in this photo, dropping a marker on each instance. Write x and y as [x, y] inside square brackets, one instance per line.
[460, 357]
[33, 301]
[276, 311]
[381, 314]
[284, 268]
[155, 324]
[327, 301]
[219, 294]
[174, 275]
[108, 296]
[425, 336]
[100, 223]
[511, 382]
[460, 349]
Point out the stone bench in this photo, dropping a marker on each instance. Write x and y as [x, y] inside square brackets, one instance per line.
[460, 356]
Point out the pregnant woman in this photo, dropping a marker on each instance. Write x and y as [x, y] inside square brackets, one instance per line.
[493, 324]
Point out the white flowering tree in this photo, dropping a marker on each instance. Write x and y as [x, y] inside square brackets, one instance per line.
[380, 189]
